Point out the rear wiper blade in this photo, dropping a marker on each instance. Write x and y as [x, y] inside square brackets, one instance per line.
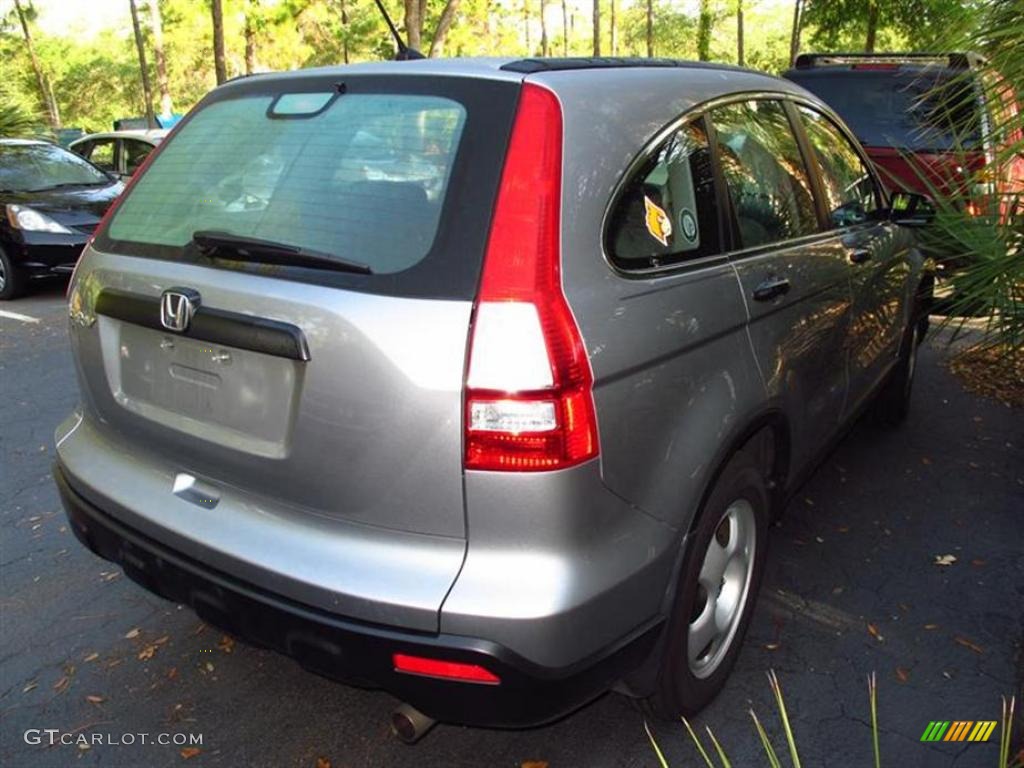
[270, 252]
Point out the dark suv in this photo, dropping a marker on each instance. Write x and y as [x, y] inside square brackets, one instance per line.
[481, 380]
[930, 122]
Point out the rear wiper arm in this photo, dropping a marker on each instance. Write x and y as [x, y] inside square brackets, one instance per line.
[270, 252]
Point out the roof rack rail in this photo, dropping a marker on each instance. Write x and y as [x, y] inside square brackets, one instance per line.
[953, 60]
[561, 64]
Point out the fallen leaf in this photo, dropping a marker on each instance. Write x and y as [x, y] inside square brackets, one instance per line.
[837, 590]
[944, 560]
[93, 699]
[844, 529]
[91, 657]
[534, 764]
[83, 746]
[226, 644]
[132, 634]
[771, 646]
[148, 652]
[978, 562]
[30, 687]
[161, 640]
[873, 631]
[323, 762]
[968, 644]
[62, 685]
[931, 626]
[172, 673]
[902, 675]
[925, 460]
[209, 667]
[808, 501]
[189, 752]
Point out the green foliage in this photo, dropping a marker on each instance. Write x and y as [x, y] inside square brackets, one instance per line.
[17, 121]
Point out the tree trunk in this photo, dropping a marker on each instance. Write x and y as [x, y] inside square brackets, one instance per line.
[794, 39]
[45, 95]
[869, 44]
[250, 46]
[565, 27]
[443, 25]
[147, 93]
[219, 64]
[597, 27]
[739, 33]
[413, 24]
[344, 31]
[650, 29]
[613, 41]
[544, 50]
[704, 31]
[157, 28]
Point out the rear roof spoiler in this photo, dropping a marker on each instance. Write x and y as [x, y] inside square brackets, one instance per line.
[968, 60]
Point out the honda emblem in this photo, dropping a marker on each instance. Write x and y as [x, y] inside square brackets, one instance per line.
[177, 306]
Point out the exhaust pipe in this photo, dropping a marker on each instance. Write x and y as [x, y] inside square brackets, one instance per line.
[409, 724]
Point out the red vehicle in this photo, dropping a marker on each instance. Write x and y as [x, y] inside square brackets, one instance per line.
[928, 121]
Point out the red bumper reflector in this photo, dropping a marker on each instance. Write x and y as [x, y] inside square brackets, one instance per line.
[447, 670]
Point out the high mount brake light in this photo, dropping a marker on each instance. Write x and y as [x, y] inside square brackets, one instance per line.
[529, 399]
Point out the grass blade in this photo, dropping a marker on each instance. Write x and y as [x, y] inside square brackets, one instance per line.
[654, 744]
[784, 716]
[769, 750]
[700, 747]
[873, 697]
[1006, 732]
[718, 748]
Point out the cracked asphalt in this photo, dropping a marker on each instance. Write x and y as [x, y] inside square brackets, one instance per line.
[856, 549]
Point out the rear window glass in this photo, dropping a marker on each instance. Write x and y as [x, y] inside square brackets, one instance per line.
[363, 179]
[918, 110]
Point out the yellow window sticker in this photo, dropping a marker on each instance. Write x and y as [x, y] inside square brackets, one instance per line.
[658, 224]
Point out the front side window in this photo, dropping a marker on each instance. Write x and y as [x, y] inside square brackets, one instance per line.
[667, 211]
[135, 153]
[101, 154]
[849, 189]
[764, 171]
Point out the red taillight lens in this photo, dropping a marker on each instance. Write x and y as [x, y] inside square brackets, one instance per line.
[529, 401]
[447, 670]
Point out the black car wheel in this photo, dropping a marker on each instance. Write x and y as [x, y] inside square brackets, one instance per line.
[12, 278]
[892, 403]
[718, 586]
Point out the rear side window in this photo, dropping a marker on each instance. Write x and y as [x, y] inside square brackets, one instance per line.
[764, 172]
[850, 191]
[667, 211]
[363, 179]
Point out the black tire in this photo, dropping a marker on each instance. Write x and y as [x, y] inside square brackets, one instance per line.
[12, 278]
[892, 403]
[684, 686]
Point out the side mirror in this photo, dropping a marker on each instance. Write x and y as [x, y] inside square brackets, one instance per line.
[909, 209]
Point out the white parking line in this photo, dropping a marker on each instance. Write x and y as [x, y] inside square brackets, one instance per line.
[16, 316]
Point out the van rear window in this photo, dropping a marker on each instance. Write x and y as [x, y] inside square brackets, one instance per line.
[364, 177]
[922, 110]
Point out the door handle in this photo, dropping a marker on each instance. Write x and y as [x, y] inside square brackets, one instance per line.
[770, 288]
[860, 255]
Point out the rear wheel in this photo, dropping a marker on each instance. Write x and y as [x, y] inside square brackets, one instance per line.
[721, 575]
[12, 278]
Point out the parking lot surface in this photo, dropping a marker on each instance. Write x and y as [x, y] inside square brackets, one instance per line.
[903, 556]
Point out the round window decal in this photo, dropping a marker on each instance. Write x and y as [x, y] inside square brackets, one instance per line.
[688, 224]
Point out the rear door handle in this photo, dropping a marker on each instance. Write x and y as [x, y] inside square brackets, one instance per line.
[860, 255]
[770, 288]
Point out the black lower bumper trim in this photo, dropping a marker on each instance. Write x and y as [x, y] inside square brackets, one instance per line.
[352, 651]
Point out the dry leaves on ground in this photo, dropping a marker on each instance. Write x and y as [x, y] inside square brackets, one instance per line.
[968, 644]
[991, 371]
[945, 559]
[873, 631]
[190, 752]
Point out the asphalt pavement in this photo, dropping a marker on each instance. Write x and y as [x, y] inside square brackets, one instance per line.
[854, 585]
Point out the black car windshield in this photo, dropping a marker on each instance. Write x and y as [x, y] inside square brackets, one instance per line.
[920, 110]
[37, 167]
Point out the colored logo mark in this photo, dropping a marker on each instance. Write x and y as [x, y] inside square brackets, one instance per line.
[958, 730]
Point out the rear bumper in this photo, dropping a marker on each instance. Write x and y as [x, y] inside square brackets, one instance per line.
[352, 651]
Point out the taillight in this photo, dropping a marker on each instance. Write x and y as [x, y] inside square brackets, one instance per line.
[529, 399]
[446, 670]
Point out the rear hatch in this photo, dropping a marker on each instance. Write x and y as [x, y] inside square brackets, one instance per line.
[324, 305]
[918, 123]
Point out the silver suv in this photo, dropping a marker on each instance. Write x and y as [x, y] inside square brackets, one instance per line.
[480, 381]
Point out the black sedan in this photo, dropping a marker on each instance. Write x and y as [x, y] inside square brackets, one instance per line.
[50, 202]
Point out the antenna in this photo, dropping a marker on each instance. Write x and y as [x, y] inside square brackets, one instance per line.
[405, 53]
